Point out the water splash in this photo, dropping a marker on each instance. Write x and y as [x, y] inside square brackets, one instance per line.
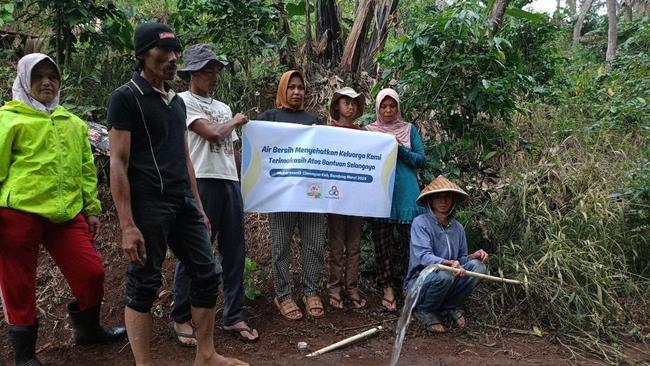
[405, 318]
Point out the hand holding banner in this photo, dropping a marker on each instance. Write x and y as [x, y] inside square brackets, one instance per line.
[291, 167]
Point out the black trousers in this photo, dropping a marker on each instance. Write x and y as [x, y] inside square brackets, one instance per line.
[177, 223]
[222, 202]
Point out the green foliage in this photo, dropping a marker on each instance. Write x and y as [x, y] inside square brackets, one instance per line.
[6, 13]
[614, 98]
[240, 29]
[7, 76]
[253, 278]
[87, 21]
[449, 65]
[581, 248]
[451, 70]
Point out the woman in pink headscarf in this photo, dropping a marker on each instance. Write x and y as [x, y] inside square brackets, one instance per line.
[392, 235]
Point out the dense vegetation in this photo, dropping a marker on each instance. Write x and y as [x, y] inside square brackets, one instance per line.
[552, 141]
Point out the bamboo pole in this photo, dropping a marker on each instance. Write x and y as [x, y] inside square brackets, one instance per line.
[346, 341]
[481, 275]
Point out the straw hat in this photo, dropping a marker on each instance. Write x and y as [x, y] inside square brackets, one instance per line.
[441, 184]
[347, 92]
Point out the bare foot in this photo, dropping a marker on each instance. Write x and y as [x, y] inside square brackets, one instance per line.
[217, 360]
[185, 329]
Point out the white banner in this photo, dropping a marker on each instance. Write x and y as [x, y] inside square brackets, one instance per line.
[296, 168]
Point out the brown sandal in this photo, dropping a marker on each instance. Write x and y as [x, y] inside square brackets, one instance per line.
[314, 303]
[288, 307]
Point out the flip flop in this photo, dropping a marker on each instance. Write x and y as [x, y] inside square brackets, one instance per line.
[336, 302]
[177, 336]
[391, 302]
[457, 316]
[431, 321]
[358, 300]
[237, 333]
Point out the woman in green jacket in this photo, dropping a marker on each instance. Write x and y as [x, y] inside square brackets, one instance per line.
[48, 196]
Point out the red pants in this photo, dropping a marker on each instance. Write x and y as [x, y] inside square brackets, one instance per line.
[70, 245]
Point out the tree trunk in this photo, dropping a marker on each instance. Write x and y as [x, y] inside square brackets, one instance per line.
[626, 7]
[611, 32]
[577, 27]
[557, 6]
[572, 7]
[383, 20]
[285, 52]
[328, 32]
[497, 12]
[308, 38]
[357, 37]
[59, 35]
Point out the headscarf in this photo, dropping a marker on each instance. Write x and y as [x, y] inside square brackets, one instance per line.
[399, 128]
[281, 96]
[22, 88]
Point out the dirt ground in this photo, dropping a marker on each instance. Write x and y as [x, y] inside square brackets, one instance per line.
[483, 345]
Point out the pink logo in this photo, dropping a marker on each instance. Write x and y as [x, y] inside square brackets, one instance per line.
[164, 35]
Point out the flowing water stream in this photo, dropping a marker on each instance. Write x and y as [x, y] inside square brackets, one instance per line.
[405, 318]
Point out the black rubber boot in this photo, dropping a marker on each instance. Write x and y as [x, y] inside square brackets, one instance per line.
[87, 329]
[23, 339]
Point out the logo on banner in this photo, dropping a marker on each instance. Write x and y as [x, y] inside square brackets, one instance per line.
[314, 191]
[333, 192]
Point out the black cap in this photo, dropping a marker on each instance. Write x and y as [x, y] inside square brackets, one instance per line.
[150, 35]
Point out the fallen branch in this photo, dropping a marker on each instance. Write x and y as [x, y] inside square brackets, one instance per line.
[537, 333]
[346, 341]
[481, 275]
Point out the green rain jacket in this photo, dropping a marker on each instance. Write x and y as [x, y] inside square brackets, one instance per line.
[46, 164]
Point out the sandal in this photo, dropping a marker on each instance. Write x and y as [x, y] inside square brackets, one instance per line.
[432, 322]
[392, 305]
[237, 333]
[313, 303]
[437, 328]
[177, 336]
[287, 308]
[336, 302]
[357, 299]
[457, 316]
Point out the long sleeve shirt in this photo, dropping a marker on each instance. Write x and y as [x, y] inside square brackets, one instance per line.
[432, 242]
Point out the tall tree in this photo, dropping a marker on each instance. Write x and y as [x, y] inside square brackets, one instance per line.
[577, 27]
[355, 43]
[328, 32]
[385, 15]
[611, 32]
[286, 47]
[308, 38]
[626, 8]
[497, 12]
[572, 7]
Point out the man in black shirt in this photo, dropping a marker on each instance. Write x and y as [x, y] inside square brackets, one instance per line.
[154, 189]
